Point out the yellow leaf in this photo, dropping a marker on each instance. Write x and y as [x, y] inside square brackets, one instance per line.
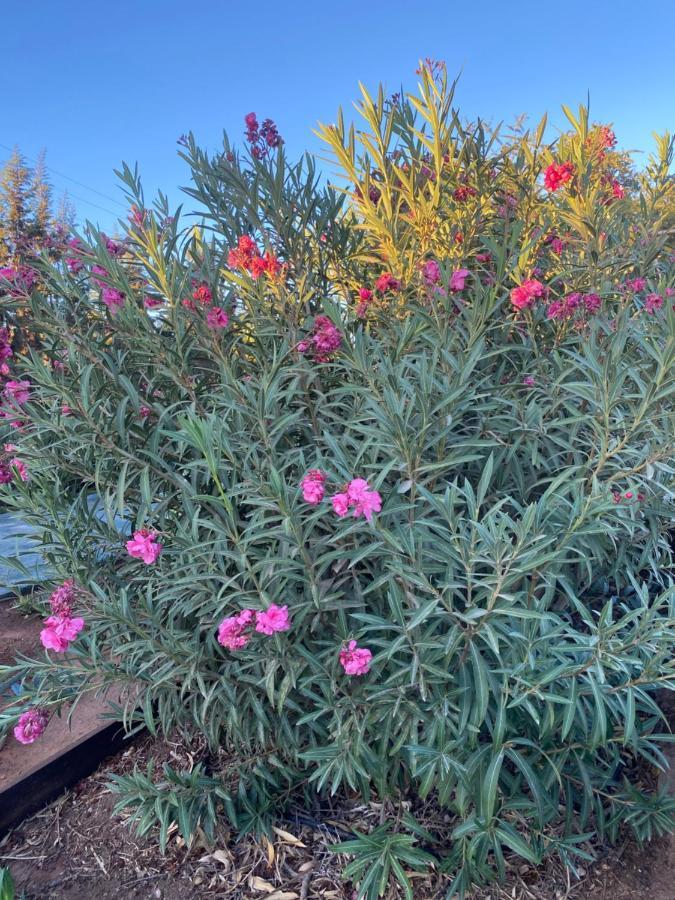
[269, 846]
[288, 837]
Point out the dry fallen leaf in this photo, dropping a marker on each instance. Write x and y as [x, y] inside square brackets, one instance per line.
[259, 884]
[283, 895]
[269, 846]
[288, 837]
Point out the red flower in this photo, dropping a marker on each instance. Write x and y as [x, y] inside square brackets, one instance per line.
[523, 296]
[463, 192]
[387, 282]
[247, 256]
[202, 294]
[558, 174]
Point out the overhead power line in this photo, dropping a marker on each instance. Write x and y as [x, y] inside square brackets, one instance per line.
[75, 181]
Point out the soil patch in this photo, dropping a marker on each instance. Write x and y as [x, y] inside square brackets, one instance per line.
[19, 634]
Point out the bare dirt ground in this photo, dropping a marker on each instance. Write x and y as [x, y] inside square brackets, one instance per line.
[77, 849]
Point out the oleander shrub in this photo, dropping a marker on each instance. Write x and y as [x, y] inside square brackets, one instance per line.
[369, 481]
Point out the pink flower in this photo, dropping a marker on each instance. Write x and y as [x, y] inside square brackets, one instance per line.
[61, 600]
[262, 136]
[326, 339]
[557, 246]
[592, 302]
[431, 271]
[66, 410]
[18, 391]
[137, 216]
[144, 412]
[152, 302]
[114, 248]
[231, 630]
[21, 467]
[312, 485]
[217, 318]
[458, 278]
[274, 618]
[563, 309]
[98, 272]
[635, 285]
[364, 501]
[365, 299]
[359, 498]
[653, 302]
[529, 381]
[144, 546]
[555, 310]
[22, 280]
[60, 631]
[113, 299]
[355, 660]
[523, 296]
[340, 504]
[557, 175]
[31, 725]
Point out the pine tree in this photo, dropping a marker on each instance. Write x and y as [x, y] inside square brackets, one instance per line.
[64, 215]
[15, 199]
[41, 200]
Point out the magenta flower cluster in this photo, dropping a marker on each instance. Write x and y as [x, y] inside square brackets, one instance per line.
[234, 632]
[6, 351]
[567, 306]
[359, 498]
[31, 725]
[144, 545]
[61, 627]
[356, 495]
[312, 485]
[326, 338]
[21, 280]
[355, 660]
[431, 272]
[262, 138]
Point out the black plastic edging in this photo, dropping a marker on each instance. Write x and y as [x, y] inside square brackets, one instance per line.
[45, 784]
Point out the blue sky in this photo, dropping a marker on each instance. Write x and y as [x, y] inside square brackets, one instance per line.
[96, 83]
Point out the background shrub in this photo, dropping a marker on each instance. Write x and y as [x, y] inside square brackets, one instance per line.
[494, 357]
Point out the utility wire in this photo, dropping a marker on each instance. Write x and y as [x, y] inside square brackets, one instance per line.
[75, 181]
[82, 200]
